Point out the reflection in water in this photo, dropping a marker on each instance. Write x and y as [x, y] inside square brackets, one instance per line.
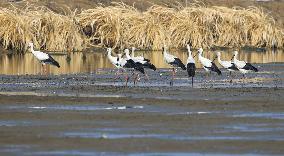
[90, 62]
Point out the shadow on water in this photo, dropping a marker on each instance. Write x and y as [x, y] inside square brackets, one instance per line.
[89, 62]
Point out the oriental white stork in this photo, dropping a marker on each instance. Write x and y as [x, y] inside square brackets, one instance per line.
[137, 57]
[44, 58]
[145, 62]
[190, 64]
[207, 64]
[174, 62]
[243, 66]
[115, 61]
[229, 65]
[128, 62]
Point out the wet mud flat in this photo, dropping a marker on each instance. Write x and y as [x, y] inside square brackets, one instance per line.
[89, 114]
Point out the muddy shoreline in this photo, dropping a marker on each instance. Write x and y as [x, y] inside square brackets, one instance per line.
[90, 114]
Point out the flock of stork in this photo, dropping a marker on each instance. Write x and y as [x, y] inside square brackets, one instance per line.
[138, 63]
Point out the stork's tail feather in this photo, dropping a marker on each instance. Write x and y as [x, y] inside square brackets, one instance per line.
[183, 67]
[139, 67]
[51, 60]
[150, 66]
[234, 67]
[215, 69]
[56, 64]
[191, 69]
[179, 63]
[254, 68]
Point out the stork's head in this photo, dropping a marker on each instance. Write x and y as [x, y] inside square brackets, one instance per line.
[188, 47]
[234, 55]
[133, 48]
[200, 50]
[218, 54]
[109, 50]
[126, 51]
[119, 56]
[30, 45]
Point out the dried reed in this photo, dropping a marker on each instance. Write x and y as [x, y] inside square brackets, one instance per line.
[123, 26]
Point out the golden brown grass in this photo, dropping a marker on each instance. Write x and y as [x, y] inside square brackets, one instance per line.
[46, 29]
[202, 26]
[123, 26]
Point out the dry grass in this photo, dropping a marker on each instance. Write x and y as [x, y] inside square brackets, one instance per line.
[121, 25]
[46, 29]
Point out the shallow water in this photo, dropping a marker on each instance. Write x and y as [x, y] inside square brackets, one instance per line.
[43, 126]
[88, 62]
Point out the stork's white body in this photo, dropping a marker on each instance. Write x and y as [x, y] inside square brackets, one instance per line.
[204, 61]
[225, 64]
[136, 58]
[41, 56]
[240, 64]
[168, 58]
[114, 60]
[190, 59]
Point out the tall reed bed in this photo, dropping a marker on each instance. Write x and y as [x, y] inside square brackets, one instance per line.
[46, 29]
[123, 26]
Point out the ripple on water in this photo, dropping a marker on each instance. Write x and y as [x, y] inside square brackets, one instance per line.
[100, 135]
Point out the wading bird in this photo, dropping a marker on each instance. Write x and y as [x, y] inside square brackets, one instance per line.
[129, 63]
[207, 64]
[139, 59]
[44, 58]
[116, 62]
[190, 65]
[243, 66]
[229, 65]
[174, 62]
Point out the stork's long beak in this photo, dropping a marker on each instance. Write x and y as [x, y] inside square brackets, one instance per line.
[195, 55]
[232, 57]
[214, 58]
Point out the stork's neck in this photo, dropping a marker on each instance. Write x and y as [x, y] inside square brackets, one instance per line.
[127, 55]
[235, 58]
[219, 58]
[165, 51]
[132, 53]
[189, 54]
[32, 49]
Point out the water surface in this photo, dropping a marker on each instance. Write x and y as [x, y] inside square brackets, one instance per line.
[88, 62]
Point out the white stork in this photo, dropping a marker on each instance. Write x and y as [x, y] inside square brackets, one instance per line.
[115, 61]
[243, 66]
[44, 58]
[207, 64]
[229, 65]
[190, 64]
[128, 62]
[140, 58]
[173, 61]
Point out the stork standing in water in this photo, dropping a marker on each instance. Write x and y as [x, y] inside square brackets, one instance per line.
[207, 64]
[139, 59]
[243, 66]
[229, 65]
[174, 62]
[116, 62]
[44, 58]
[190, 65]
[128, 62]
